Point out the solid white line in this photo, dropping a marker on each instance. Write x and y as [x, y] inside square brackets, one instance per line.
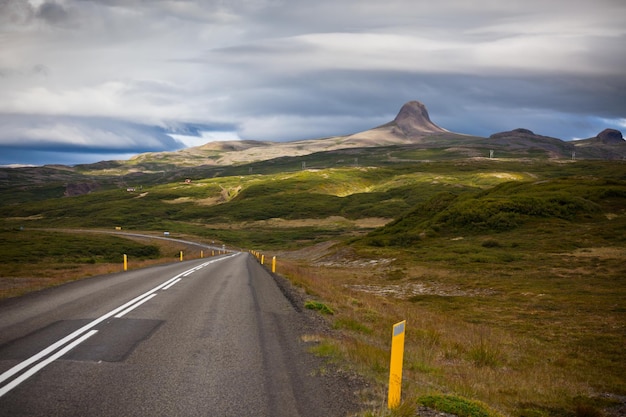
[75, 334]
[71, 336]
[170, 285]
[134, 306]
[32, 371]
[17, 368]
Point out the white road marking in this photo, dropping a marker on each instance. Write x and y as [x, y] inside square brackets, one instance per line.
[137, 304]
[121, 310]
[32, 371]
[170, 285]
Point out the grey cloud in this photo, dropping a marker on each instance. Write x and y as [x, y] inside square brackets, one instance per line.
[51, 133]
[52, 12]
[15, 12]
[132, 71]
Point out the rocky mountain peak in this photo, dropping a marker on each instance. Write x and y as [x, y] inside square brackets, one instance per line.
[413, 119]
[610, 136]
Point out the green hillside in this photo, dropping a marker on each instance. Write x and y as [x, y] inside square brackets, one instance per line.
[510, 271]
[593, 203]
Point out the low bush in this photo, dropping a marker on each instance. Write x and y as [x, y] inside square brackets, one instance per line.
[317, 306]
[459, 406]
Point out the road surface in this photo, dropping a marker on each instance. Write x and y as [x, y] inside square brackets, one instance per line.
[209, 337]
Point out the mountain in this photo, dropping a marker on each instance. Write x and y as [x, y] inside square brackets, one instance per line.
[411, 136]
[527, 141]
[413, 120]
[412, 125]
[412, 128]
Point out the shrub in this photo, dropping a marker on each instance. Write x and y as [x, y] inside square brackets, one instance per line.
[490, 243]
[459, 406]
[317, 306]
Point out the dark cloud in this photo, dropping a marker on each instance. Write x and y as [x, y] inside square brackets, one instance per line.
[52, 12]
[66, 133]
[136, 75]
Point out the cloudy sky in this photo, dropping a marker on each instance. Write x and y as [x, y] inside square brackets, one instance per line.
[89, 80]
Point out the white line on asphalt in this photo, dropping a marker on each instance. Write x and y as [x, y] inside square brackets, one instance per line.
[170, 285]
[32, 371]
[67, 339]
[137, 304]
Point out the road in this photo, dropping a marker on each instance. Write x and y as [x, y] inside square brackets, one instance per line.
[209, 337]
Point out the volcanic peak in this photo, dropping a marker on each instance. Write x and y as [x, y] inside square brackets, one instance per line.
[413, 119]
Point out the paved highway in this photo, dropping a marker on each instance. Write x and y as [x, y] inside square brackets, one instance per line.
[209, 337]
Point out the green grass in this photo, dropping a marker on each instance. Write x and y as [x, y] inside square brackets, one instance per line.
[510, 273]
[509, 206]
[461, 407]
[317, 306]
[26, 247]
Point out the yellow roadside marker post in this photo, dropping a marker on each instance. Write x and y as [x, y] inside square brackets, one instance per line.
[274, 264]
[262, 259]
[181, 255]
[125, 262]
[395, 371]
[201, 254]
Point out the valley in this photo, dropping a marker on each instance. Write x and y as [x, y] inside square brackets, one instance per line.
[504, 254]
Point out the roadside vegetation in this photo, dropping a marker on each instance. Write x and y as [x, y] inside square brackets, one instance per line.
[39, 259]
[510, 273]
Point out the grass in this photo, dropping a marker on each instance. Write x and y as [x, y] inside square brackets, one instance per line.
[462, 407]
[38, 259]
[317, 306]
[510, 274]
[538, 333]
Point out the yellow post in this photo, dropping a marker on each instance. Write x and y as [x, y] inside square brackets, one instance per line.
[125, 262]
[262, 259]
[395, 371]
[201, 254]
[274, 264]
[212, 253]
[181, 255]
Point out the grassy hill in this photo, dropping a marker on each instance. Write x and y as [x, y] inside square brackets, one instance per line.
[509, 270]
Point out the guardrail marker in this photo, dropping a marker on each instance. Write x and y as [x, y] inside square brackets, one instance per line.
[395, 371]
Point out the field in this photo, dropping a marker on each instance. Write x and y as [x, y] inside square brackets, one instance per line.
[509, 272]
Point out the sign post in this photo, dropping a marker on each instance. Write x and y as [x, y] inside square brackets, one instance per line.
[395, 371]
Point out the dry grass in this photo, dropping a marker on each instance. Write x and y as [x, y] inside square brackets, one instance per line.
[51, 275]
[525, 345]
[17, 280]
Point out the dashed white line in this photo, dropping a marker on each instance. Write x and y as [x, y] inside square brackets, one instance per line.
[137, 304]
[117, 312]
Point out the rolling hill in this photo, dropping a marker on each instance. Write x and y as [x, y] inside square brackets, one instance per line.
[410, 137]
[509, 269]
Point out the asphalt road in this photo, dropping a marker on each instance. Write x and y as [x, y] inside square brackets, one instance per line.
[210, 337]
